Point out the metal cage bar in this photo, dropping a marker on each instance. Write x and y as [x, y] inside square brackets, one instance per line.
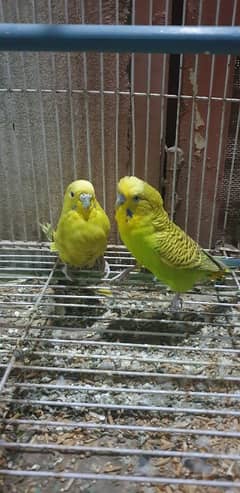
[92, 377]
[144, 39]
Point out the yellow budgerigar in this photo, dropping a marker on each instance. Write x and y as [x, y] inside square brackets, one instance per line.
[83, 227]
[156, 242]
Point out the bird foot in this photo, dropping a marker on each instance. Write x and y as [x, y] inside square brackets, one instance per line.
[176, 303]
[107, 270]
[123, 275]
[66, 273]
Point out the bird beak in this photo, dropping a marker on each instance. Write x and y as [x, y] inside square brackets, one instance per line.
[120, 199]
[85, 198]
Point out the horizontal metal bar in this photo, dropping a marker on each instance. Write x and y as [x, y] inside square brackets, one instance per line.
[116, 427]
[142, 333]
[123, 407]
[25, 269]
[153, 288]
[120, 477]
[30, 256]
[43, 245]
[109, 255]
[13, 277]
[133, 332]
[109, 319]
[124, 345]
[159, 333]
[121, 38]
[187, 302]
[81, 298]
[108, 92]
[129, 390]
[148, 333]
[226, 291]
[20, 261]
[34, 295]
[131, 358]
[114, 451]
[126, 373]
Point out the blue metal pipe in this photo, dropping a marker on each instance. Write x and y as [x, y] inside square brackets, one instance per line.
[108, 38]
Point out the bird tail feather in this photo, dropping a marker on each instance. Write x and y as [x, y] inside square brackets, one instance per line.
[53, 247]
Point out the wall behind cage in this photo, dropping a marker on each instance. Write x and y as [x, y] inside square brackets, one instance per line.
[101, 116]
[198, 189]
[57, 122]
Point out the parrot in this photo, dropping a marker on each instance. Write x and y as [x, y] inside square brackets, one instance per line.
[158, 244]
[83, 228]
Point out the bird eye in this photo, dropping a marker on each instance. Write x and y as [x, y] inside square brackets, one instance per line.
[136, 198]
[71, 194]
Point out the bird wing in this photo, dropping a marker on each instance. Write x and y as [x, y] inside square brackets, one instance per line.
[176, 249]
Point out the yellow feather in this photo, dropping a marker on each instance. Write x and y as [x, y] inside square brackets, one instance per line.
[156, 242]
[83, 227]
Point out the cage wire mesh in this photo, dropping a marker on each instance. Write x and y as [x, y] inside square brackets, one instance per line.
[116, 392]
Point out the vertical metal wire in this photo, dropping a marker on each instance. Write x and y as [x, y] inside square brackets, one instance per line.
[15, 143]
[192, 128]
[86, 102]
[43, 128]
[148, 96]
[102, 113]
[207, 130]
[69, 69]
[59, 147]
[7, 182]
[26, 100]
[232, 170]
[220, 151]
[162, 92]
[117, 102]
[178, 121]
[133, 164]
[3, 164]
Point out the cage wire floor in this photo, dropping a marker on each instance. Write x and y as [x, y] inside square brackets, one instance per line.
[115, 392]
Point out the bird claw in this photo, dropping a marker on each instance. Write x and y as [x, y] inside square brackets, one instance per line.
[123, 275]
[107, 270]
[66, 273]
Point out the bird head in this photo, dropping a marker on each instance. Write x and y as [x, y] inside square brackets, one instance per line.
[80, 196]
[135, 197]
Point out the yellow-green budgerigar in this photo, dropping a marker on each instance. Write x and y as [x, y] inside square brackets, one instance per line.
[83, 227]
[156, 242]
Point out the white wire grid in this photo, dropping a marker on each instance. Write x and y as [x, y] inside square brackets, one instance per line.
[114, 387]
[46, 125]
[96, 388]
